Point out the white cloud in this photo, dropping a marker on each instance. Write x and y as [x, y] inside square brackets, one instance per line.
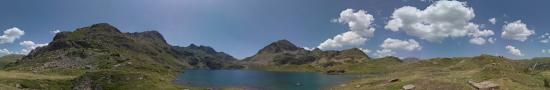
[390, 45]
[545, 38]
[438, 21]
[4, 52]
[516, 31]
[493, 20]
[492, 40]
[484, 33]
[384, 53]
[29, 46]
[477, 41]
[514, 51]
[55, 31]
[477, 37]
[365, 50]
[308, 48]
[396, 44]
[545, 41]
[11, 34]
[360, 25]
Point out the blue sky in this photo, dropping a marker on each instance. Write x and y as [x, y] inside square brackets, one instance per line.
[242, 27]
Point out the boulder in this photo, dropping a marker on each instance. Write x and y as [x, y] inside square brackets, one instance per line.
[485, 85]
[408, 87]
[393, 80]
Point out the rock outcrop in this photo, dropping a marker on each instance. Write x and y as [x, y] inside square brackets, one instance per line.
[408, 87]
[485, 85]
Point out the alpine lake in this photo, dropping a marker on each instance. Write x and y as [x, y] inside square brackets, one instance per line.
[260, 80]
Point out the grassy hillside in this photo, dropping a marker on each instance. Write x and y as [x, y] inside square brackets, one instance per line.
[452, 74]
[13, 80]
[102, 57]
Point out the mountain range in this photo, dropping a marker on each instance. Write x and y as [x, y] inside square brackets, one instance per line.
[101, 57]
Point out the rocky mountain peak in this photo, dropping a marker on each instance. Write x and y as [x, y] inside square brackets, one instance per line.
[354, 51]
[102, 27]
[279, 46]
[192, 46]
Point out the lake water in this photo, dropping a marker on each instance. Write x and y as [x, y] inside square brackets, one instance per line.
[263, 80]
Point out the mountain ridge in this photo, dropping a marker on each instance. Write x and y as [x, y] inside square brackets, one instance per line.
[285, 52]
[100, 56]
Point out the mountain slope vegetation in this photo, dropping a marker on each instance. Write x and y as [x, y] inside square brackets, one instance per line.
[102, 57]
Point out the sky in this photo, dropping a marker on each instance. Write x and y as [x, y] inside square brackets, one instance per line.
[403, 28]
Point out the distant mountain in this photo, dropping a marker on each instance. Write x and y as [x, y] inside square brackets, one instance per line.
[348, 55]
[282, 49]
[283, 52]
[102, 57]
[7, 59]
[101, 46]
[204, 57]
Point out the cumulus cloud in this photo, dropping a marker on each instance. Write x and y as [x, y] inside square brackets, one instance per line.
[545, 38]
[10, 35]
[493, 20]
[344, 40]
[396, 44]
[513, 50]
[29, 46]
[4, 52]
[384, 53]
[438, 21]
[55, 31]
[477, 41]
[359, 23]
[516, 31]
[492, 40]
[390, 45]
[484, 33]
[477, 37]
